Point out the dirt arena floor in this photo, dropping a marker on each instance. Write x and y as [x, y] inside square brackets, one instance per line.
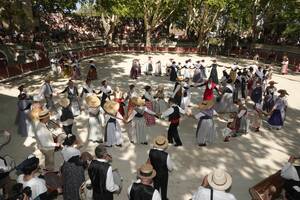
[249, 158]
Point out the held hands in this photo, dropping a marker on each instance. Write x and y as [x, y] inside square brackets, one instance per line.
[292, 159]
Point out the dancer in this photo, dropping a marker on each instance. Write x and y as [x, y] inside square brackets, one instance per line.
[214, 72]
[206, 130]
[106, 91]
[22, 118]
[96, 119]
[256, 95]
[160, 104]
[285, 65]
[118, 97]
[162, 163]
[66, 116]
[278, 112]
[270, 96]
[210, 86]
[173, 113]
[92, 73]
[73, 96]
[149, 66]
[47, 93]
[113, 132]
[257, 117]
[173, 72]
[149, 100]
[135, 116]
[158, 68]
[198, 74]
[241, 119]
[225, 102]
[178, 90]
[131, 93]
[134, 71]
[186, 96]
[87, 89]
[142, 189]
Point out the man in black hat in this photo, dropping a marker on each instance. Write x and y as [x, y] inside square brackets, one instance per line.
[100, 173]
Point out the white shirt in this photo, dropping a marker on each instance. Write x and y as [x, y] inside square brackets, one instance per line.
[46, 90]
[110, 184]
[106, 89]
[289, 172]
[37, 185]
[170, 110]
[156, 195]
[133, 113]
[204, 194]
[170, 163]
[44, 137]
[68, 152]
[148, 96]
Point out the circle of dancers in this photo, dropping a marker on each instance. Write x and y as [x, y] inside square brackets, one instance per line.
[108, 109]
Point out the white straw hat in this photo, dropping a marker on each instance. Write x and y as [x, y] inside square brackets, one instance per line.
[219, 180]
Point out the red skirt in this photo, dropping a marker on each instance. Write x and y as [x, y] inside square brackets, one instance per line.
[150, 119]
[121, 109]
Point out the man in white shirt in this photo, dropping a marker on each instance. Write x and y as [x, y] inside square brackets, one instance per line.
[106, 92]
[142, 189]
[45, 140]
[100, 173]
[214, 187]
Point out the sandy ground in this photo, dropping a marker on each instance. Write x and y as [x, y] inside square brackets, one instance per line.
[249, 158]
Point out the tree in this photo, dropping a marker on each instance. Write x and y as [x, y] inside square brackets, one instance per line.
[154, 13]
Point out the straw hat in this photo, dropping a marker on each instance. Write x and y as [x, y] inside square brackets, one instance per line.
[35, 112]
[138, 101]
[296, 162]
[219, 180]
[160, 142]
[272, 82]
[180, 78]
[146, 171]
[44, 114]
[64, 102]
[111, 107]
[92, 101]
[206, 104]
[282, 91]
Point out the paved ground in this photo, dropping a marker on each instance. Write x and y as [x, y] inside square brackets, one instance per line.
[249, 158]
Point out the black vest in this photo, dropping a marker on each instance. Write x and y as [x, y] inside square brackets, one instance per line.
[158, 160]
[140, 191]
[175, 114]
[97, 173]
[66, 114]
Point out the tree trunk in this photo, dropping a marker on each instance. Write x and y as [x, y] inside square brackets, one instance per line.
[148, 38]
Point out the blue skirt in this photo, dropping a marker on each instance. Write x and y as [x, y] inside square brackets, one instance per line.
[257, 95]
[276, 119]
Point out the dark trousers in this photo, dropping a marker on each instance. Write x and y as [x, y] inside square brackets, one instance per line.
[244, 95]
[173, 134]
[68, 129]
[161, 184]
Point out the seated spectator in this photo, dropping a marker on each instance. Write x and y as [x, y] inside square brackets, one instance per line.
[214, 186]
[291, 173]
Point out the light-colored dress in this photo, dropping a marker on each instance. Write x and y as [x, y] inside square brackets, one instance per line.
[96, 122]
[186, 96]
[160, 103]
[206, 129]
[22, 118]
[225, 103]
[137, 127]
[277, 118]
[113, 132]
[284, 68]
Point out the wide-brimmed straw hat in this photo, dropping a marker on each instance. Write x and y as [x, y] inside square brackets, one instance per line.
[219, 180]
[206, 104]
[44, 114]
[64, 102]
[180, 78]
[138, 101]
[282, 91]
[146, 171]
[92, 101]
[272, 82]
[34, 114]
[111, 107]
[160, 142]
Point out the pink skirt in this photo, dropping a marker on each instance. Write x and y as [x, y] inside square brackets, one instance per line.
[284, 69]
[150, 119]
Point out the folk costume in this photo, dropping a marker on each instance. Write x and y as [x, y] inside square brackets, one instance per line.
[278, 111]
[149, 66]
[257, 113]
[96, 119]
[131, 93]
[241, 124]
[149, 103]
[118, 97]
[66, 116]
[100, 173]
[160, 103]
[285, 65]
[73, 96]
[186, 97]
[23, 119]
[210, 86]
[158, 69]
[214, 73]
[257, 92]
[173, 72]
[270, 97]
[137, 121]
[178, 90]
[106, 92]
[113, 132]
[141, 191]
[47, 93]
[173, 113]
[134, 71]
[92, 73]
[206, 130]
[291, 173]
[162, 163]
[198, 73]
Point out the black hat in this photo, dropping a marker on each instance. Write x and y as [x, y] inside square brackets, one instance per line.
[30, 160]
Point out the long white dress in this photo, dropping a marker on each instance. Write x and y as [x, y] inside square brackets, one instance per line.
[206, 129]
[137, 127]
[96, 122]
[113, 132]
[186, 97]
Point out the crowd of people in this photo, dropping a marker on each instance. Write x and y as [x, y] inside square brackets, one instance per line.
[245, 94]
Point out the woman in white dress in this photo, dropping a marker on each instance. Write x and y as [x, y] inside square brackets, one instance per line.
[137, 120]
[186, 96]
[96, 120]
[113, 132]
[206, 129]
